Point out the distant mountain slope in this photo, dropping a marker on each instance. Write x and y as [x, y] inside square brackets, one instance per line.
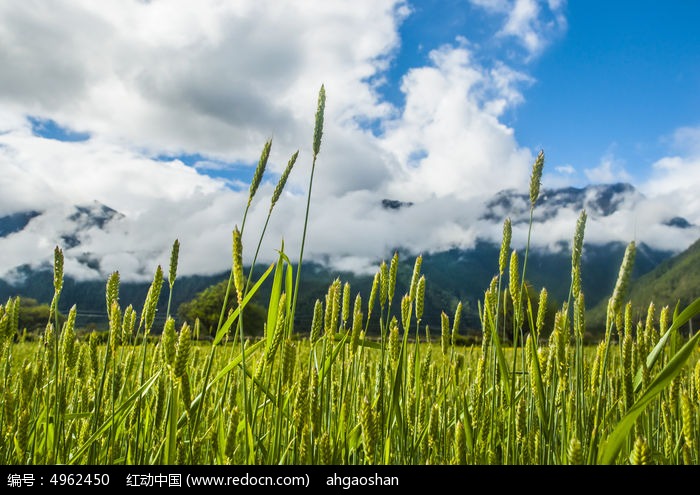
[15, 222]
[674, 280]
[451, 276]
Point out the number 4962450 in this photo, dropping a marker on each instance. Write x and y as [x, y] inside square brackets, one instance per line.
[79, 479]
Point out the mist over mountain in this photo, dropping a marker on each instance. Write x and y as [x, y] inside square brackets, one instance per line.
[90, 235]
[97, 239]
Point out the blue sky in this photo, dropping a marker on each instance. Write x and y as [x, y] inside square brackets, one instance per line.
[160, 109]
[621, 80]
[615, 82]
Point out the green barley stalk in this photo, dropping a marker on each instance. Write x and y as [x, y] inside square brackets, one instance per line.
[376, 282]
[112, 291]
[172, 273]
[415, 276]
[360, 401]
[318, 133]
[147, 317]
[535, 181]
[505, 245]
[613, 443]
[255, 183]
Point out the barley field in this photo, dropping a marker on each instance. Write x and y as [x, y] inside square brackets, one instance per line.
[529, 393]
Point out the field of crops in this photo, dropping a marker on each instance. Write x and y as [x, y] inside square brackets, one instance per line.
[330, 394]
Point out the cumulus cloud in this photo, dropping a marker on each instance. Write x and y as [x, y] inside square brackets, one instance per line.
[150, 79]
[533, 23]
[687, 140]
[215, 78]
[608, 170]
[675, 179]
[450, 122]
[148, 82]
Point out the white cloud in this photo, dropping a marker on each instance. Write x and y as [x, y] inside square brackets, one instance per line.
[161, 78]
[451, 122]
[217, 78]
[149, 79]
[54, 171]
[675, 179]
[194, 91]
[608, 170]
[559, 176]
[533, 23]
[687, 140]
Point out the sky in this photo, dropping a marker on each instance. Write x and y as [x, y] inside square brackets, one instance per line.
[160, 109]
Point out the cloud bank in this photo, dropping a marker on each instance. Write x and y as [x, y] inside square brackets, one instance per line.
[146, 84]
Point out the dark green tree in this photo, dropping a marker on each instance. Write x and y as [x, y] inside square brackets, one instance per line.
[207, 307]
[528, 292]
[34, 316]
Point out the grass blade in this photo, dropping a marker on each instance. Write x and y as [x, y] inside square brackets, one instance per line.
[613, 444]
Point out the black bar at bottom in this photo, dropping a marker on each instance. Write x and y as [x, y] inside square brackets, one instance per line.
[16, 479]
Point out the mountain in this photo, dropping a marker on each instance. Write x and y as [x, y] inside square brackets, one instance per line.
[452, 275]
[676, 280]
[25, 233]
[86, 217]
[597, 200]
[15, 222]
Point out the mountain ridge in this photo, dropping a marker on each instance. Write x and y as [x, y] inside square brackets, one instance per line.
[454, 274]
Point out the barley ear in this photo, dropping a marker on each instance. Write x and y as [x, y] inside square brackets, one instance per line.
[57, 280]
[279, 329]
[283, 180]
[259, 170]
[393, 270]
[318, 126]
[345, 306]
[67, 340]
[394, 348]
[406, 312]
[623, 278]
[541, 311]
[576, 252]
[115, 326]
[369, 431]
[688, 417]
[58, 269]
[574, 452]
[238, 278]
[151, 303]
[316, 322]
[420, 297]
[536, 178]
[182, 354]
[373, 294]
[112, 291]
[174, 254]
[514, 285]
[641, 452]
[383, 283]
[460, 444]
[414, 277]
[168, 344]
[128, 323]
[444, 333]
[505, 245]
[456, 322]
